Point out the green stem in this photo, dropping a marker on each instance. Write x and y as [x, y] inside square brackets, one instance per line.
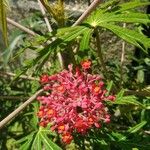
[99, 51]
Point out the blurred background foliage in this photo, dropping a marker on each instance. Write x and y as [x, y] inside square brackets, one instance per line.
[130, 126]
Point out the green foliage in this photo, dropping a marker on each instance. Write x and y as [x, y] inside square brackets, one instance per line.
[137, 127]
[130, 111]
[37, 140]
[107, 16]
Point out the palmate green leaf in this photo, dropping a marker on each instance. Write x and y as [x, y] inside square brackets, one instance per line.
[104, 7]
[42, 140]
[137, 127]
[106, 17]
[38, 140]
[3, 22]
[48, 143]
[130, 36]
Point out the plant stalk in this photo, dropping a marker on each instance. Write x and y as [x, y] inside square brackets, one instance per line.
[45, 17]
[122, 58]
[59, 55]
[21, 27]
[99, 51]
[21, 76]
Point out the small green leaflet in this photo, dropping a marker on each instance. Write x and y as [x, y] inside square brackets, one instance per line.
[137, 127]
[84, 44]
[130, 36]
[126, 100]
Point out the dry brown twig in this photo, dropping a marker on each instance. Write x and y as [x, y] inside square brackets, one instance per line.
[122, 57]
[61, 61]
[21, 27]
[19, 109]
[11, 97]
[22, 76]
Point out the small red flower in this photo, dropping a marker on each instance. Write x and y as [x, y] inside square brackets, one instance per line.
[42, 124]
[44, 79]
[81, 126]
[61, 128]
[60, 89]
[86, 64]
[40, 114]
[111, 97]
[50, 112]
[96, 89]
[67, 138]
[91, 120]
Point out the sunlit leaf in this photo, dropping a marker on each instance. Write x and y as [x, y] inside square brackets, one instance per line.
[109, 87]
[120, 94]
[130, 36]
[48, 143]
[75, 33]
[107, 17]
[84, 44]
[126, 17]
[119, 136]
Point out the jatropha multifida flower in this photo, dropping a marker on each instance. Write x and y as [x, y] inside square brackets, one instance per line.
[74, 101]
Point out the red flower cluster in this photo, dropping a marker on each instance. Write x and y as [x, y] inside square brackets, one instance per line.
[74, 102]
